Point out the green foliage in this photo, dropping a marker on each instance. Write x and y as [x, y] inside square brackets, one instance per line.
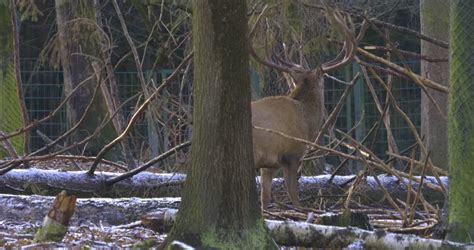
[6, 39]
[10, 109]
[85, 9]
[141, 7]
[83, 28]
[292, 21]
[29, 10]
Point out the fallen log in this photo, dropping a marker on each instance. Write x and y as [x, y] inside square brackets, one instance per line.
[106, 211]
[146, 184]
[291, 233]
[302, 234]
[51, 182]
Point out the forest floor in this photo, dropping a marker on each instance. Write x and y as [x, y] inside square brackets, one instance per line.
[20, 234]
[14, 234]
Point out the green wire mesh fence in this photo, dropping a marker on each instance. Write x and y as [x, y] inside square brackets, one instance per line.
[43, 93]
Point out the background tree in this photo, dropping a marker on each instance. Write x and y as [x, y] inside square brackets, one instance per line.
[219, 205]
[461, 123]
[434, 22]
[78, 42]
[12, 111]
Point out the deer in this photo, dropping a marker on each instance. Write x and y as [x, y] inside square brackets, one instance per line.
[298, 114]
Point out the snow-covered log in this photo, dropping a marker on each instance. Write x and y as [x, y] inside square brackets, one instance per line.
[107, 211]
[368, 190]
[145, 184]
[291, 233]
[51, 182]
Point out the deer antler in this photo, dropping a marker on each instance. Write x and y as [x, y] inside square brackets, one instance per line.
[269, 63]
[344, 56]
[348, 49]
[288, 67]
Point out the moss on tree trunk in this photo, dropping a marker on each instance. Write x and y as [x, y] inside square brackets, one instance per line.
[219, 204]
[461, 123]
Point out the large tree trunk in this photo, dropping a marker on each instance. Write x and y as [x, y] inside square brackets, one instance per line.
[219, 206]
[434, 19]
[12, 111]
[461, 122]
[77, 41]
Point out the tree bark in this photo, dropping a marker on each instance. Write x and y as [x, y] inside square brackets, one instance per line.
[461, 122]
[434, 19]
[56, 222]
[219, 205]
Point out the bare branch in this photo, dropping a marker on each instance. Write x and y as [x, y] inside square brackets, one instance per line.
[148, 164]
[416, 78]
[135, 116]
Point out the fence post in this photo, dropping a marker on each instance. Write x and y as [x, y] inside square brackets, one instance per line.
[348, 77]
[153, 138]
[359, 101]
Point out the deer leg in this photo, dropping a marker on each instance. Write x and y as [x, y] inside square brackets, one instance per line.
[266, 186]
[291, 181]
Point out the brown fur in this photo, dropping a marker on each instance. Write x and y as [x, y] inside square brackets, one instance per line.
[299, 115]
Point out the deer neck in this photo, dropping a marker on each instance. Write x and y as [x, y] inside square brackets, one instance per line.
[310, 92]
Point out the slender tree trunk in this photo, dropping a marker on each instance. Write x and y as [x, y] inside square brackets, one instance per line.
[110, 90]
[461, 123]
[434, 19]
[12, 113]
[219, 204]
[76, 42]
